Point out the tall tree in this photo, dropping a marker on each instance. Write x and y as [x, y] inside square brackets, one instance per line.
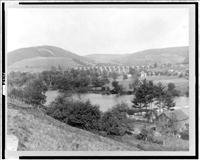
[117, 88]
[172, 90]
[163, 99]
[149, 97]
[143, 95]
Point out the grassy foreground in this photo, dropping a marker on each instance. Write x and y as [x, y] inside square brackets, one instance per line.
[39, 132]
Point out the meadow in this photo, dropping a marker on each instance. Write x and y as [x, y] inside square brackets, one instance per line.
[182, 84]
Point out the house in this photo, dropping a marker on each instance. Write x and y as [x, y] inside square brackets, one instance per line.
[143, 75]
[179, 118]
[142, 115]
[129, 75]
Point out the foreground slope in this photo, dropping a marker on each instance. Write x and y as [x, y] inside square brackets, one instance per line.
[39, 132]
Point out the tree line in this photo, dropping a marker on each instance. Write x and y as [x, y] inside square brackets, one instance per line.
[152, 98]
[31, 87]
[21, 85]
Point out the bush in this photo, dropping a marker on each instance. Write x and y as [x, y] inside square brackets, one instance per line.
[117, 89]
[114, 121]
[143, 135]
[172, 90]
[34, 92]
[79, 114]
[185, 134]
[84, 115]
[187, 92]
[15, 93]
[148, 135]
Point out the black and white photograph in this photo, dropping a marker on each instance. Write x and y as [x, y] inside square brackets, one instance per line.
[100, 79]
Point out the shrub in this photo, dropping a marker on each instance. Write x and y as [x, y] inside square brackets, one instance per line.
[15, 93]
[78, 114]
[185, 134]
[84, 115]
[27, 88]
[172, 90]
[59, 108]
[117, 89]
[87, 116]
[143, 135]
[34, 92]
[148, 135]
[187, 92]
[114, 121]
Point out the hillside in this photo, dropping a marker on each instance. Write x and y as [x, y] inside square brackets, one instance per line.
[36, 59]
[39, 132]
[107, 58]
[44, 57]
[38, 64]
[163, 55]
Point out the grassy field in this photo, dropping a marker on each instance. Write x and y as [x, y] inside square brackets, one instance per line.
[171, 143]
[39, 132]
[181, 84]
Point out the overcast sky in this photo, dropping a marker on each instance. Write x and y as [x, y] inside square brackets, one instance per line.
[98, 30]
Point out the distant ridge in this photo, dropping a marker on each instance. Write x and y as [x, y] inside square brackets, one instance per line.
[39, 58]
[162, 55]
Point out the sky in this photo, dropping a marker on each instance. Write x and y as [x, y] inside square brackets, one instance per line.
[100, 30]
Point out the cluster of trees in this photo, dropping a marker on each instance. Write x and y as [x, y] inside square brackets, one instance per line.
[27, 87]
[115, 121]
[86, 116]
[74, 80]
[33, 92]
[18, 79]
[75, 113]
[31, 87]
[62, 80]
[150, 97]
